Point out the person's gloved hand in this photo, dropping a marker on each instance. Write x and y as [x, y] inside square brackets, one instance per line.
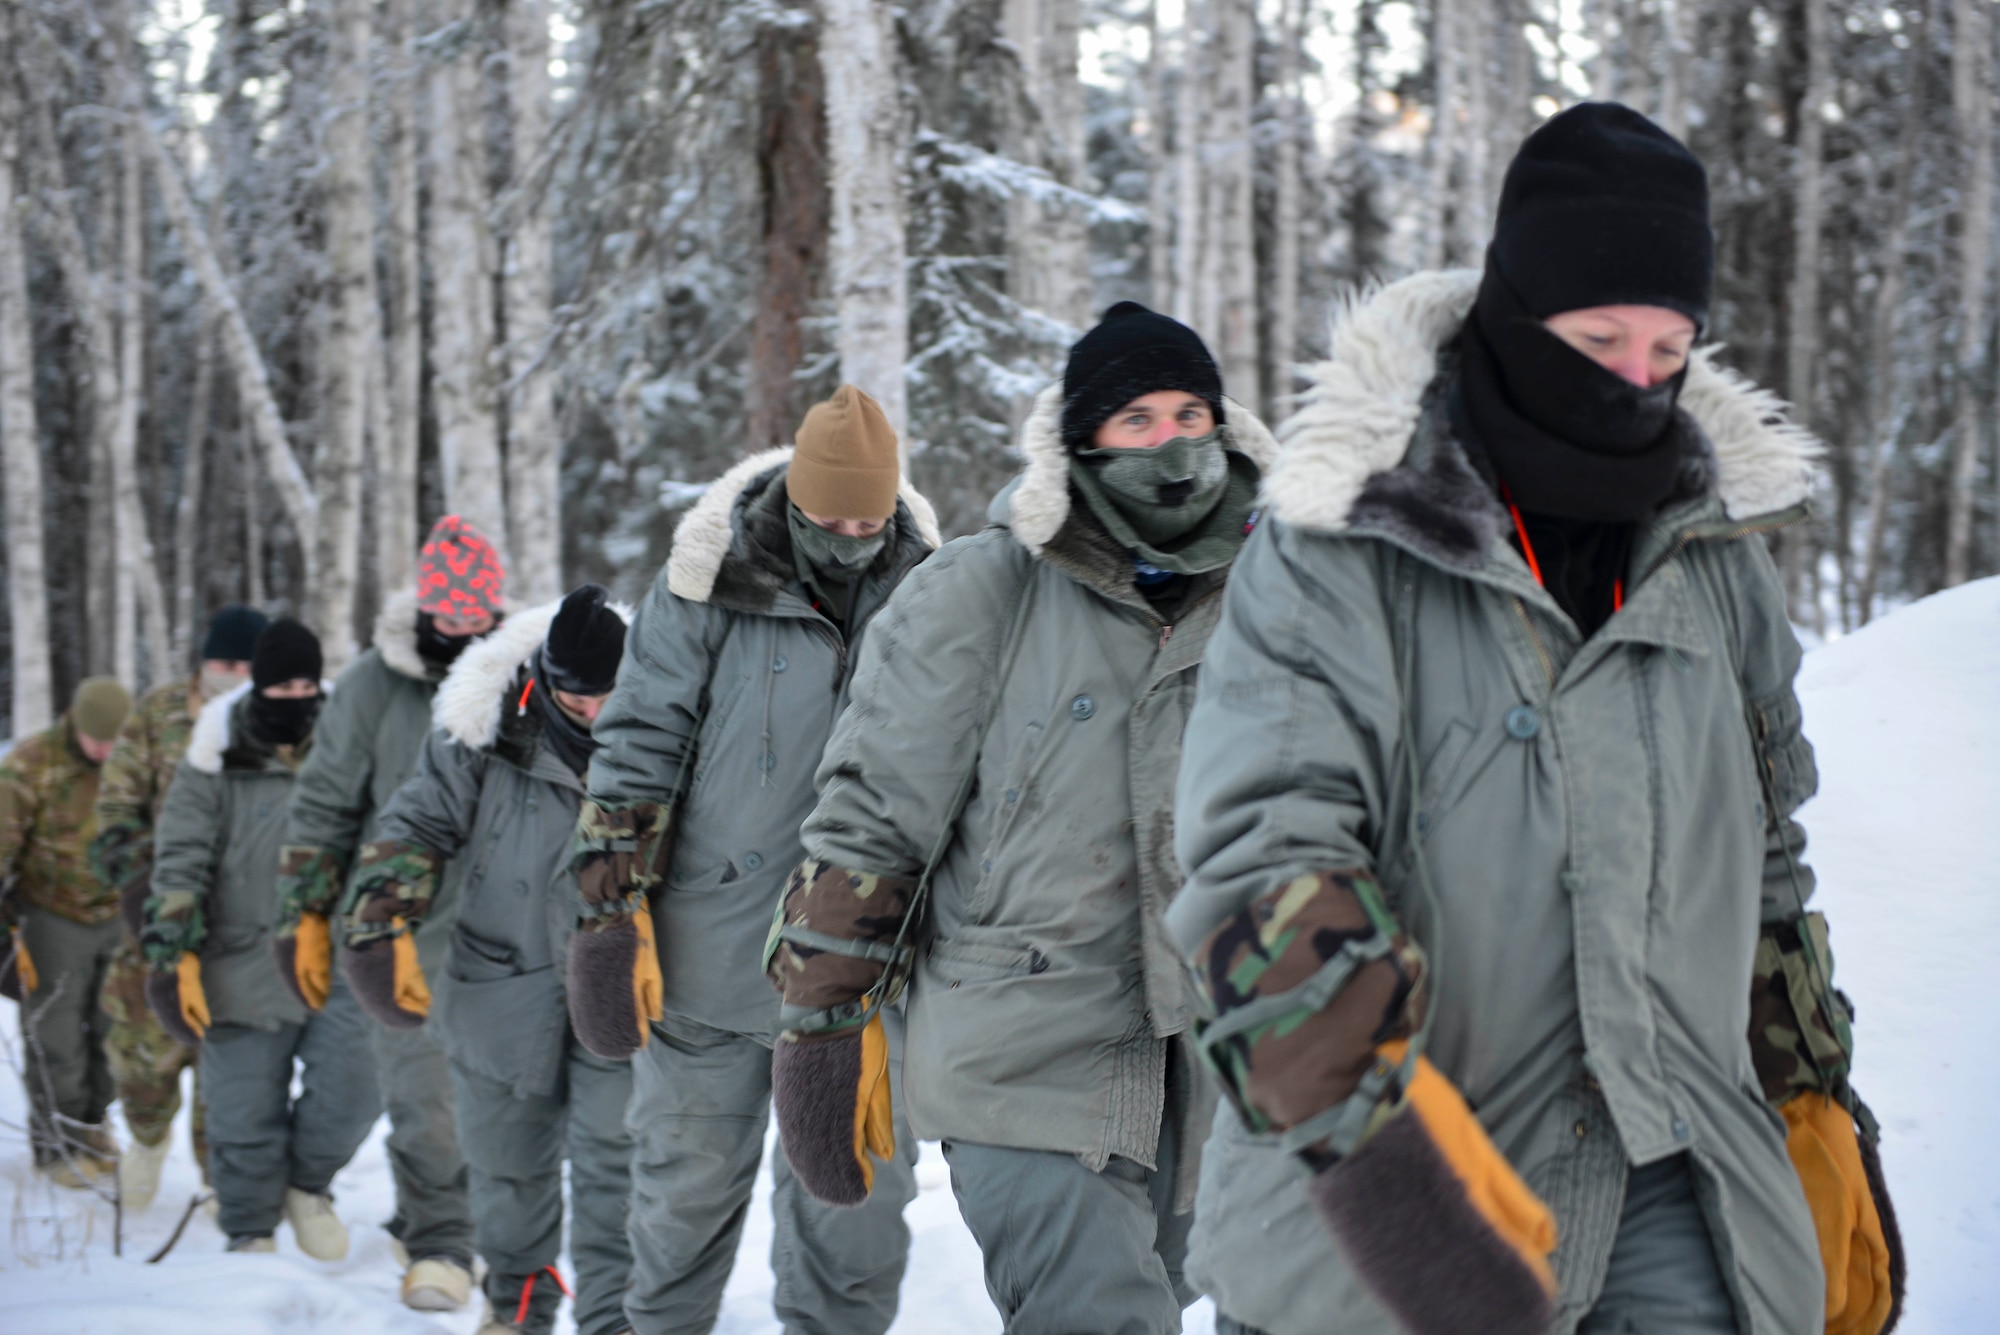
[612, 970]
[304, 950]
[18, 979]
[387, 978]
[178, 1001]
[1435, 1220]
[1853, 1242]
[830, 1093]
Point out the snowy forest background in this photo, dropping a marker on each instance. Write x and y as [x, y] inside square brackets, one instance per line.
[282, 280]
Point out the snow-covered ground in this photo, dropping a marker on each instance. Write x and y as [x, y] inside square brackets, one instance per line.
[1906, 841]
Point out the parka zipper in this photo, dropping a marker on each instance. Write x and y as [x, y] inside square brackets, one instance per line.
[1535, 638]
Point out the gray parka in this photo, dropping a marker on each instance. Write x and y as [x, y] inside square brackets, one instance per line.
[729, 638]
[364, 747]
[1590, 813]
[1046, 992]
[499, 808]
[215, 865]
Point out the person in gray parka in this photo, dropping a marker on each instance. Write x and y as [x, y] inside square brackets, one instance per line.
[492, 805]
[1495, 896]
[213, 984]
[1019, 707]
[367, 746]
[736, 667]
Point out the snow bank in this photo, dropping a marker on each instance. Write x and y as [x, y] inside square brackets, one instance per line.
[1906, 841]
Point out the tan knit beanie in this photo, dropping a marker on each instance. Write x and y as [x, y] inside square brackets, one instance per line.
[845, 466]
[100, 708]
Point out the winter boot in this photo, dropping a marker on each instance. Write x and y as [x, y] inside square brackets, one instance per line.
[317, 1228]
[139, 1173]
[436, 1284]
[523, 1304]
[259, 1243]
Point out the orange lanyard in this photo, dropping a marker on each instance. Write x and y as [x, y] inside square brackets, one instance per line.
[1535, 567]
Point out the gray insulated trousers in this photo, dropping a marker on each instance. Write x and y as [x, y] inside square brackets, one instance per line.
[433, 1215]
[515, 1148]
[260, 1139]
[1067, 1249]
[62, 1029]
[701, 1100]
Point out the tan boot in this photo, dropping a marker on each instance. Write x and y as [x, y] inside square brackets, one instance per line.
[317, 1228]
[139, 1173]
[435, 1284]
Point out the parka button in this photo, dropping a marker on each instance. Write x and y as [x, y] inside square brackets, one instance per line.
[1082, 708]
[1523, 723]
[753, 860]
[1582, 1128]
[1680, 1130]
[779, 664]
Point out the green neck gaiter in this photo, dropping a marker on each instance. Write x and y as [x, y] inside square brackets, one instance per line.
[827, 563]
[1180, 506]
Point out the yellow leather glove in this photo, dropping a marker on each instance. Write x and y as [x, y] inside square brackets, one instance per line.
[649, 989]
[24, 964]
[178, 1001]
[412, 994]
[828, 1139]
[305, 960]
[1826, 1154]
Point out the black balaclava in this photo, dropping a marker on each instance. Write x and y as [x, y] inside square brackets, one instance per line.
[579, 655]
[438, 650]
[286, 651]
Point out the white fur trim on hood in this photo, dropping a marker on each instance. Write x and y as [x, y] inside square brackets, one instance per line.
[703, 537]
[396, 633]
[210, 737]
[468, 704]
[1362, 409]
[1040, 503]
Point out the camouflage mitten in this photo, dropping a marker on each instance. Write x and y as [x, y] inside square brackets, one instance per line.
[832, 937]
[613, 978]
[178, 1001]
[394, 883]
[1801, 1044]
[1314, 990]
[309, 881]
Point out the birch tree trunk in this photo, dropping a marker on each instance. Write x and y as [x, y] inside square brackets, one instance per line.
[1802, 342]
[124, 439]
[534, 449]
[32, 705]
[1232, 162]
[460, 248]
[1448, 57]
[1048, 245]
[1677, 53]
[188, 509]
[865, 139]
[1190, 133]
[396, 522]
[346, 346]
[1284, 350]
[791, 167]
[1972, 100]
[1159, 168]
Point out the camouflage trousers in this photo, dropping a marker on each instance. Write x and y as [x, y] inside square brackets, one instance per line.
[146, 1064]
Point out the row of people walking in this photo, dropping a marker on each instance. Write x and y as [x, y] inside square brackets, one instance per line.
[1354, 879]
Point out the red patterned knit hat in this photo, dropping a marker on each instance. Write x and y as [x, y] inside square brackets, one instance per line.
[458, 572]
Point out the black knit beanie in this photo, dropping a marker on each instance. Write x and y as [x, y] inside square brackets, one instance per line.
[584, 643]
[232, 634]
[286, 651]
[1132, 352]
[1601, 207]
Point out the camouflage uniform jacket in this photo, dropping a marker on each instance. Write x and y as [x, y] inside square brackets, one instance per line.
[365, 745]
[1577, 830]
[134, 786]
[48, 814]
[216, 861]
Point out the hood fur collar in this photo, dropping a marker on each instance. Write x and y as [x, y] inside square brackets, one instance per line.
[1040, 500]
[1359, 417]
[470, 702]
[703, 538]
[396, 634]
[209, 740]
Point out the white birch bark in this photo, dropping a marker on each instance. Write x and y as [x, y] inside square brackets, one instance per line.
[865, 146]
[1190, 133]
[1288, 207]
[460, 246]
[1972, 100]
[402, 344]
[1802, 344]
[1447, 62]
[1677, 53]
[126, 535]
[345, 345]
[1159, 167]
[32, 705]
[188, 509]
[534, 451]
[1048, 243]
[1232, 160]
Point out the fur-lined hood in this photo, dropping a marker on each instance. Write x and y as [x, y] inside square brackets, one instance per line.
[1037, 502]
[471, 701]
[1361, 416]
[209, 741]
[706, 535]
[396, 634]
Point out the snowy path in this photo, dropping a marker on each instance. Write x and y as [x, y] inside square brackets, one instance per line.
[1906, 840]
